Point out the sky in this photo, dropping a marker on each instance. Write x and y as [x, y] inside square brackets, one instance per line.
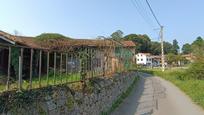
[182, 19]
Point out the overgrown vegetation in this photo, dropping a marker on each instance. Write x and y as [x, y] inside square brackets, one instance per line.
[60, 79]
[50, 36]
[185, 80]
[15, 52]
[196, 70]
[121, 98]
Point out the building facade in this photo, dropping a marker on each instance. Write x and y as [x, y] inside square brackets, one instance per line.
[144, 59]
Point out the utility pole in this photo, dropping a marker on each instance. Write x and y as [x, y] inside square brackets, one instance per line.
[162, 48]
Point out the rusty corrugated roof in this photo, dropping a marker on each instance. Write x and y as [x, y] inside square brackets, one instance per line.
[56, 43]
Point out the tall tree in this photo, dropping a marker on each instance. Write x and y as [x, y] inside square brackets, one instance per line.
[197, 67]
[198, 47]
[167, 47]
[175, 48]
[186, 49]
[155, 48]
[118, 35]
[143, 42]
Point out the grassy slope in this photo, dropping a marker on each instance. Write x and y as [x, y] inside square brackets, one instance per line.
[192, 87]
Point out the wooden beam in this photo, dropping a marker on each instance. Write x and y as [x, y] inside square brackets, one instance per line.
[55, 55]
[87, 62]
[71, 69]
[66, 64]
[91, 53]
[31, 67]
[48, 64]
[9, 67]
[40, 67]
[20, 70]
[61, 67]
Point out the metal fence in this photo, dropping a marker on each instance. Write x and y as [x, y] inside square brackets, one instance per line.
[24, 68]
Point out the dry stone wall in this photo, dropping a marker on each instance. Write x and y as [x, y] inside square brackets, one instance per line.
[64, 101]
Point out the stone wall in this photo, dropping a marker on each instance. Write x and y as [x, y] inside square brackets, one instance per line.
[64, 101]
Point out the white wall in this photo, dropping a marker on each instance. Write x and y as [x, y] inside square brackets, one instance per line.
[143, 59]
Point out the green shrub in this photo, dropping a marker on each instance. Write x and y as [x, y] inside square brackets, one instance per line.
[50, 36]
[196, 70]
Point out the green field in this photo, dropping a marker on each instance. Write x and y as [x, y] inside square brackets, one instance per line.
[194, 88]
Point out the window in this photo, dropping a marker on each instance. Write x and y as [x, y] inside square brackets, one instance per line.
[141, 59]
[138, 59]
[147, 59]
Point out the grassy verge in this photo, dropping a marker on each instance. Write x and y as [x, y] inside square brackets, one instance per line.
[59, 79]
[121, 98]
[194, 88]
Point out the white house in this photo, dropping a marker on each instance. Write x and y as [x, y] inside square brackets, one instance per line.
[144, 59]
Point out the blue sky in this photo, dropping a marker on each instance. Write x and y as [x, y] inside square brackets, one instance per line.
[182, 19]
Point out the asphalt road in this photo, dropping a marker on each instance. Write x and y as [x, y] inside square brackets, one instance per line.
[155, 96]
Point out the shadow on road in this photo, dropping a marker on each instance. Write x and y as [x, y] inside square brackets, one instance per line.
[144, 99]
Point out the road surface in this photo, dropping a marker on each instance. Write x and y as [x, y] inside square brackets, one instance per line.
[155, 96]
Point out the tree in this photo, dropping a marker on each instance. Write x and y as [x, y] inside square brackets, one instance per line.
[175, 47]
[197, 67]
[186, 49]
[170, 58]
[50, 36]
[198, 47]
[118, 35]
[168, 48]
[155, 48]
[142, 42]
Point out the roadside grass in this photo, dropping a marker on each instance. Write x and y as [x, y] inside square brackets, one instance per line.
[194, 88]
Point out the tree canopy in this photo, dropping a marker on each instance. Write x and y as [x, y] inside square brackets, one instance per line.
[197, 47]
[50, 36]
[175, 47]
[143, 42]
[186, 49]
[118, 35]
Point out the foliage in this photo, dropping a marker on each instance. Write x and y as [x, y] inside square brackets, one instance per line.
[180, 77]
[70, 102]
[50, 36]
[175, 47]
[143, 42]
[186, 49]
[15, 53]
[170, 58]
[196, 69]
[175, 60]
[118, 35]
[155, 48]
[198, 48]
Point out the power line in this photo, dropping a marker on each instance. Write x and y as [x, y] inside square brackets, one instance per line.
[153, 13]
[161, 35]
[141, 10]
[161, 28]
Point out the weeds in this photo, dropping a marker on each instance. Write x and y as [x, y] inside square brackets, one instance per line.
[192, 86]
